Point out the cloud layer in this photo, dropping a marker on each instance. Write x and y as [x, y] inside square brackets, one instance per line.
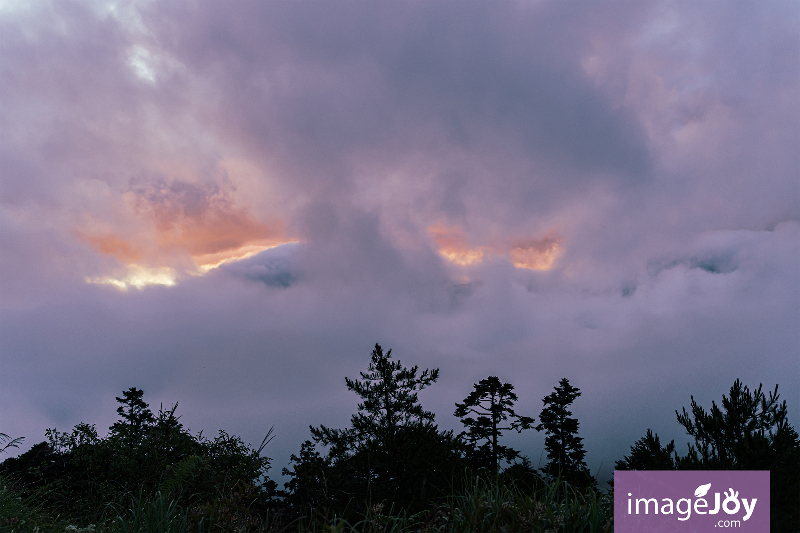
[533, 190]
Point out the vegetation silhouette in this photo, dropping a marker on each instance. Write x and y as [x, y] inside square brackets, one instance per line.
[392, 455]
[750, 431]
[647, 453]
[85, 476]
[7, 442]
[491, 402]
[391, 470]
[564, 447]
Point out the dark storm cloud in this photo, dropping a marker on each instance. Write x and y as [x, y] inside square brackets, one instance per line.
[336, 80]
[649, 148]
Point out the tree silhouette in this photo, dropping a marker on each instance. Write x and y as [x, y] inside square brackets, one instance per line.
[81, 474]
[389, 402]
[564, 448]
[738, 435]
[751, 431]
[492, 402]
[648, 454]
[310, 480]
[134, 413]
[393, 452]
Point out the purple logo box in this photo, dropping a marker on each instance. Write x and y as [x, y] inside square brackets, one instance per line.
[708, 501]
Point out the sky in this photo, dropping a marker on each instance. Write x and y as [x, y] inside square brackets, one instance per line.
[227, 204]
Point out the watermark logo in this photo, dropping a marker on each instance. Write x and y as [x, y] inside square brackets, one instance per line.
[661, 501]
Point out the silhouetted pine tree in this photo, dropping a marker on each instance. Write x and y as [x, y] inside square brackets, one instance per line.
[564, 448]
[393, 452]
[648, 454]
[492, 404]
[751, 431]
[134, 413]
[389, 402]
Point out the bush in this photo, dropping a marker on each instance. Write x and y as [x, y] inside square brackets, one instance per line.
[87, 477]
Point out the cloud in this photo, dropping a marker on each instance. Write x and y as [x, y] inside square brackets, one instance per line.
[529, 190]
[536, 254]
[202, 220]
[454, 247]
[275, 267]
[531, 253]
[176, 225]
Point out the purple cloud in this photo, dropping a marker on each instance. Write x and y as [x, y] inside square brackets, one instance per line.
[533, 191]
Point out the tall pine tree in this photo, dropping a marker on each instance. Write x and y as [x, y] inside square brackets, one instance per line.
[492, 403]
[389, 402]
[750, 431]
[392, 452]
[135, 416]
[564, 447]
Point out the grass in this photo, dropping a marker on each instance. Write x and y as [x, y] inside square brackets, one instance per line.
[25, 513]
[153, 513]
[482, 507]
[486, 507]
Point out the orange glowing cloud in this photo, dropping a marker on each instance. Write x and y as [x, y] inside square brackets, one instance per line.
[533, 253]
[204, 222]
[113, 245]
[137, 276]
[168, 221]
[453, 245]
[536, 254]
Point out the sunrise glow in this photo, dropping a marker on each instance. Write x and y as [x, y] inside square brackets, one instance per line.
[211, 261]
[453, 245]
[532, 254]
[138, 277]
[539, 254]
[463, 257]
[165, 231]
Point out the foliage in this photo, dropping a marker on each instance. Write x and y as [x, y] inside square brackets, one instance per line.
[21, 512]
[522, 475]
[392, 470]
[492, 403]
[751, 431]
[564, 448]
[235, 509]
[555, 506]
[134, 416]
[389, 402]
[85, 476]
[743, 434]
[153, 513]
[393, 453]
[7, 442]
[648, 454]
